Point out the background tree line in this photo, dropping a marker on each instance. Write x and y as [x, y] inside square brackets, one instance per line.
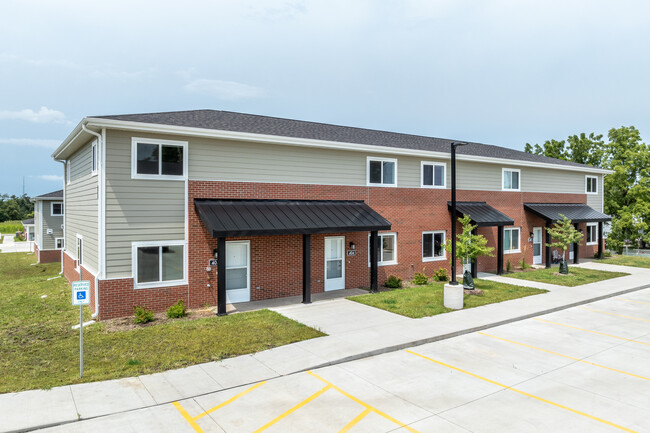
[627, 190]
[14, 208]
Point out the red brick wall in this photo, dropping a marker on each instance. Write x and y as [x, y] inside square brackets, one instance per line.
[71, 274]
[47, 256]
[276, 261]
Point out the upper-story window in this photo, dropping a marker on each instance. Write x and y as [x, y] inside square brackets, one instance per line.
[433, 174]
[592, 185]
[382, 171]
[56, 208]
[93, 155]
[158, 159]
[511, 179]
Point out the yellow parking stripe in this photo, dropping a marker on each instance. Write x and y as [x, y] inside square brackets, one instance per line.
[364, 404]
[355, 420]
[565, 356]
[192, 420]
[561, 406]
[593, 332]
[293, 409]
[614, 314]
[634, 300]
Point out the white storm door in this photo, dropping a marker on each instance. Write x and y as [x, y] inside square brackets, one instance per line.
[238, 272]
[571, 250]
[334, 263]
[537, 246]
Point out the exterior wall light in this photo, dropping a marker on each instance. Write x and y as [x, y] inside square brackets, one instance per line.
[215, 252]
[353, 246]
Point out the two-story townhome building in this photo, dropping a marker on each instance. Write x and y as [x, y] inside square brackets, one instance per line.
[48, 227]
[214, 207]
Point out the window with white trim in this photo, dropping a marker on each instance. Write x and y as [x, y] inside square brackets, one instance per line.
[433, 174]
[433, 246]
[158, 159]
[381, 171]
[80, 250]
[159, 263]
[387, 249]
[511, 179]
[59, 243]
[591, 186]
[56, 208]
[511, 240]
[591, 237]
[93, 154]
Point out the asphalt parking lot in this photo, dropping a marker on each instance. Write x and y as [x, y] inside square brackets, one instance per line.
[584, 369]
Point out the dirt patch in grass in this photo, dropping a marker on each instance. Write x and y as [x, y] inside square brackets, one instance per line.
[128, 323]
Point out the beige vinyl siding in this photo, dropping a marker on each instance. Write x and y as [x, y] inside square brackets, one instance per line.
[137, 209]
[596, 200]
[50, 221]
[82, 206]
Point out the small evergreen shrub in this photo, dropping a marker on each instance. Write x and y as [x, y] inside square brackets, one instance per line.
[393, 282]
[441, 275]
[508, 266]
[606, 254]
[420, 279]
[523, 264]
[177, 310]
[142, 315]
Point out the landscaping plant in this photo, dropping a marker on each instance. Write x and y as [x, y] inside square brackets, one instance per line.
[177, 310]
[564, 235]
[393, 282]
[468, 247]
[142, 315]
[420, 278]
[441, 275]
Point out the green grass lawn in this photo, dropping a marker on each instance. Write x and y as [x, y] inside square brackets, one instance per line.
[577, 276]
[11, 227]
[423, 301]
[636, 261]
[39, 350]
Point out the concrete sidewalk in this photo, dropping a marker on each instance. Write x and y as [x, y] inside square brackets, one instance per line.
[9, 245]
[354, 331]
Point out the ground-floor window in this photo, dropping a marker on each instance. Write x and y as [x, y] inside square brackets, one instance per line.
[158, 263]
[59, 243]
[592, 234]
[433, 246]
[511, 240]
[387, 249]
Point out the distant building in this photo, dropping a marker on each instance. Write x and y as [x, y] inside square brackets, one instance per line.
[47, 229]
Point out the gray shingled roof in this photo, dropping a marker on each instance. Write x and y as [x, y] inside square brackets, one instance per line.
[53, 194]
[28, 222]
[240, 122]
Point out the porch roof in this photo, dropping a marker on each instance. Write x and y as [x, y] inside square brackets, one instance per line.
[576, 212]
[228, 217]
[482, 214]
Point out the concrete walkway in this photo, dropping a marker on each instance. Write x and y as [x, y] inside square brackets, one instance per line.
[9, 245]
[355, 331]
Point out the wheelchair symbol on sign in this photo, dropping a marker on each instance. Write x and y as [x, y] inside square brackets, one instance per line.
[81, 295]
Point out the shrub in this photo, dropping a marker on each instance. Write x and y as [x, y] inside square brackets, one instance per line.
[508, 266]
[177, 310]
[441, 275]
[523, 264]
[605, 254]
[393, 282]
[420, 278]
[142, 315]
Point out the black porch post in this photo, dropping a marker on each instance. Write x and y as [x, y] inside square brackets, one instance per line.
[600, 240]
[306, 269]
[576, 248]
[374, 244]
[475, 260]
[221, 276]
[548, 241]
[500, 250]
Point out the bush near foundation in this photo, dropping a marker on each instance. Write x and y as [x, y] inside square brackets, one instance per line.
[420, 279]
[142, 315]
[177, 310]
[441, 275]
[393, 282]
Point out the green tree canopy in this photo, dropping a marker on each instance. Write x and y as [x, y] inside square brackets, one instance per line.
[15, 208]
[563, 234]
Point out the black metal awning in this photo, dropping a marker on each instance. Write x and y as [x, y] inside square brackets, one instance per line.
[229, 217]
[482, 214]
[576, 212]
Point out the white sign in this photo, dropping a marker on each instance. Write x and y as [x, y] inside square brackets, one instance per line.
[80, 292]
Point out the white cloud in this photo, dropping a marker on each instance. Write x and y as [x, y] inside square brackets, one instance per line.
[229, 90]
[50, 177]
[37, 142]
[44, 115]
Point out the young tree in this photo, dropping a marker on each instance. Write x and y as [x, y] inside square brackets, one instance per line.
[468, 245]
[564, 234]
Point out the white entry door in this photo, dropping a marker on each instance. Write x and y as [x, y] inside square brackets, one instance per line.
[537, 246]
[334, 263]
[571, 251]
[238, 272]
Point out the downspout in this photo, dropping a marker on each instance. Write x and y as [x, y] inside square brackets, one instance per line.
[64, 212]
[100, 145]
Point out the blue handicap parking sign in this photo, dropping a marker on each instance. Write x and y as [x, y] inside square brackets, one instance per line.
[80, 292]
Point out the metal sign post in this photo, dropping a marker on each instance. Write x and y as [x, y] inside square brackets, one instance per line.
[81, 297]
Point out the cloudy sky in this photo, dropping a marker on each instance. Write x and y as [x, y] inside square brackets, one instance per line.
[492, 71]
